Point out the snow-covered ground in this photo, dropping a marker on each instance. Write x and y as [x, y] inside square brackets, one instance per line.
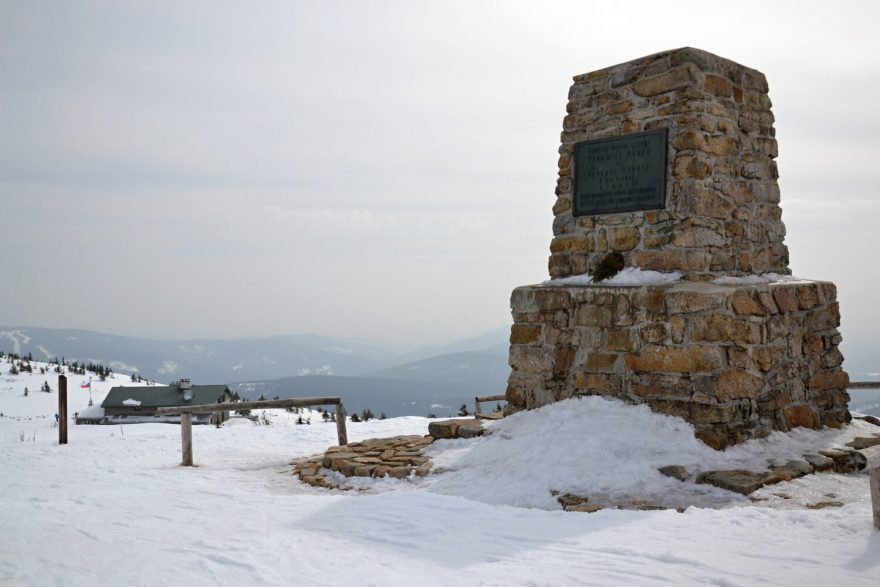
[113, 507]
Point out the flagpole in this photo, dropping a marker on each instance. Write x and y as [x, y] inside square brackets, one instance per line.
[90, 391]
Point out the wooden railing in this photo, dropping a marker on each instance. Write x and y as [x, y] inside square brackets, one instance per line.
[186, 413]
[864, 384]
[485, 398]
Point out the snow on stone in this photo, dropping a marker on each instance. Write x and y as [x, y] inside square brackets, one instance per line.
[626, 276]
[755, 279]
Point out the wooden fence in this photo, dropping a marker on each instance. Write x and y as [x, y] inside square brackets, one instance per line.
[186, 413]
[487, 398]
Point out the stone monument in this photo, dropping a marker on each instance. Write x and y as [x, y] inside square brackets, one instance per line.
[668, 160]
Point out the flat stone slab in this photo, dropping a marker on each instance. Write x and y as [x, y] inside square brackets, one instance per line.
[869, 419]
[738, 480]
[863, 442]
[675, 471]
[456, 428]
[581, 503]
[820, 505]
[846, 461]
[820, 462]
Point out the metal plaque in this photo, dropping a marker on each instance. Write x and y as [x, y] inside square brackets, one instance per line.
[620, 174]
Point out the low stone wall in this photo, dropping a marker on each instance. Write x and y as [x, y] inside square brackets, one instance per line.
[737, 361]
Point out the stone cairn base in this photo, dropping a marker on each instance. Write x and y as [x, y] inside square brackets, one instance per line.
[736, 361]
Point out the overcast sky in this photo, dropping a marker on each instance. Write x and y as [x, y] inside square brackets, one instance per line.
[371, 169]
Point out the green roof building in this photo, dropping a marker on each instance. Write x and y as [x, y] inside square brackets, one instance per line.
[139, 403]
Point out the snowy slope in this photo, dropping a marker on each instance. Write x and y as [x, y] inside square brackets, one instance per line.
[41, 405]
[114, 508]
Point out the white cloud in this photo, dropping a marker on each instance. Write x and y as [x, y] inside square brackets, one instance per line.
[168, 368]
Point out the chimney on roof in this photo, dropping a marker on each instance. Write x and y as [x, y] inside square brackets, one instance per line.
[185, 385]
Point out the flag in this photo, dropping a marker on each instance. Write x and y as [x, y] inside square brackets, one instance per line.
[85, 385]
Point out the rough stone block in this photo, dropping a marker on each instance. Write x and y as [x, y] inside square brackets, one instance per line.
[675, 79]
[802, 416]
[597, 316]
[718, 327]
[597, 383]
[738, 383]
[830, 379]
[619, 339]
[744, 302]
[449, 428]
[601, 361]
[530, 359]
[525, 333]
[786, 300]
[738, 480]
[689, 301]
[675, 360]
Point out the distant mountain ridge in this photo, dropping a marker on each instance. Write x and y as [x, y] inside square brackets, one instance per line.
[486, 365]
[394, 397]
[304, 364]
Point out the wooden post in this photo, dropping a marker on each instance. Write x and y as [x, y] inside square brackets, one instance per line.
[874, 480]
[186, 413]
[186, 438]
[340, 425]
[62, 409]
[872, 457]
[476, 406]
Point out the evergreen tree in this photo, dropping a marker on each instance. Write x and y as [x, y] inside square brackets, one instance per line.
[462, 411]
